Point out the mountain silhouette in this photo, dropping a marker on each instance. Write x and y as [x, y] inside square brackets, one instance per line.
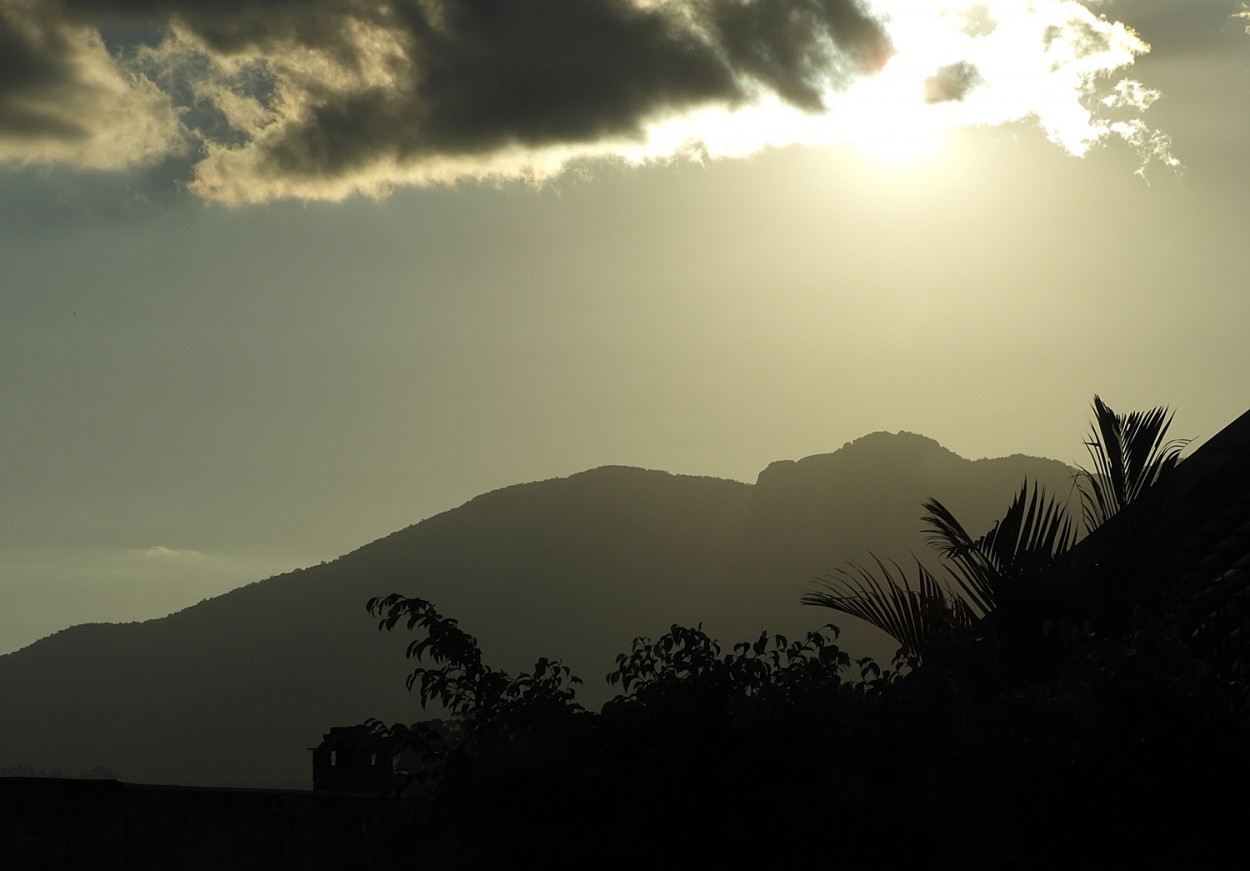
[234, 690]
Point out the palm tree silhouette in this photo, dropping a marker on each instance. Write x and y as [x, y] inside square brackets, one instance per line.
[1005, 571]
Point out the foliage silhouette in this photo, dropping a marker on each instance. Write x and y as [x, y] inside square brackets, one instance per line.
[1004, 569]
[690, 721]
[1130, 453]
[785, 751]
[484, 698]
[913, 616]
[771, 752]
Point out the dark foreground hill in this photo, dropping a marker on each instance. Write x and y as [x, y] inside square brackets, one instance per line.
[235, 689]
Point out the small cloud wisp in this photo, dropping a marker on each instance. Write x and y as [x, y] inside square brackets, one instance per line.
[160, 552]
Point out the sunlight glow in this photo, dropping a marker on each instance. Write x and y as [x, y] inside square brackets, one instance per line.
[955, 64]
[887, 115]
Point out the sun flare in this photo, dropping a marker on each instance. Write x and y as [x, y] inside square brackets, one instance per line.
[888, 116]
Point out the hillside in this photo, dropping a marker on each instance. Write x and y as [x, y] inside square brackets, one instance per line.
[235, 689]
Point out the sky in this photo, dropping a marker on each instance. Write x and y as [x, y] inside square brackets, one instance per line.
[277, 279]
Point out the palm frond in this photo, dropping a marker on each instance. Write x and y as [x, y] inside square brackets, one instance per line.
[970, 568]
[1016, 550]
[886, 599]
[1130, 453]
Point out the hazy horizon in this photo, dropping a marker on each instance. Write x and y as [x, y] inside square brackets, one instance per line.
[243, 331]
[209, 575]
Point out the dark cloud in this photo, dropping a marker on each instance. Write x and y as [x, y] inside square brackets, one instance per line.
[952, 82]
[544, 71]
[35, 64]
[229, 26]
[468, 77]
[416, 79]
[323, 98]
[63, 98]
[798, 48]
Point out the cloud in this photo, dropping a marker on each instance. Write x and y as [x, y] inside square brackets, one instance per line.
[951, 82]
[329, 98]
[171, 554]
[64, 98]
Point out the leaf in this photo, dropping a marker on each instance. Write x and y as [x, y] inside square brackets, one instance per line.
[1012, 555]
[1130, 453]
[887, 599]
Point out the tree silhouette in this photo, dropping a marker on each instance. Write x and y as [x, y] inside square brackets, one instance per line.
[1004, 571]
[770, 752]
[1131, 454]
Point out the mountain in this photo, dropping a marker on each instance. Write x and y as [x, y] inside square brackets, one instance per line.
[235, 690]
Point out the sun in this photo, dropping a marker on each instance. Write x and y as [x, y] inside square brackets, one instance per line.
[888, 115]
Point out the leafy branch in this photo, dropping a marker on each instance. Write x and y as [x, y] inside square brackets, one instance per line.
[459, 680]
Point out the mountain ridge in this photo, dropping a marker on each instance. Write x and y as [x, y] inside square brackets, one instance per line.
[231, 690]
